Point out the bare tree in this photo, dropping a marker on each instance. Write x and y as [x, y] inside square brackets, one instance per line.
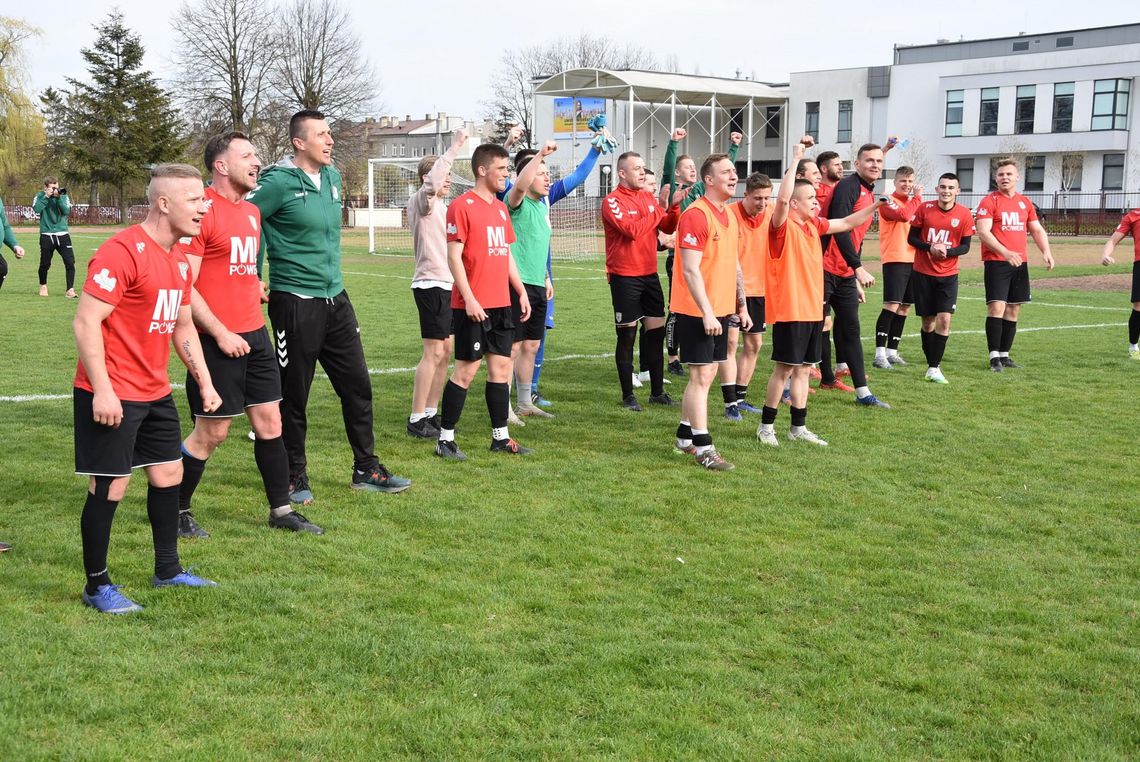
[512, 86]
[917, 156]
[319, 61]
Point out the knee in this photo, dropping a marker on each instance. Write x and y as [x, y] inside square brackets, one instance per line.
[265, 420]
[165, 474]
[109, 487]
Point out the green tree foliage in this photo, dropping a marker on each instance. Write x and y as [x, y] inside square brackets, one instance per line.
[21, 126]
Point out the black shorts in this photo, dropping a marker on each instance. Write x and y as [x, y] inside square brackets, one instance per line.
[934, 294]
[897, 280]
[1006, 283]
[756, 312]
[838, 290]
[493, 336]
[635, 297]
[149, 435]
[533, 329]
[1136, 281]
[434, 306]
[697, 347]
[797, 342]
[241, 382]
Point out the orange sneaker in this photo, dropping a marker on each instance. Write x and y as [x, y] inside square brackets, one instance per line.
[838, 386]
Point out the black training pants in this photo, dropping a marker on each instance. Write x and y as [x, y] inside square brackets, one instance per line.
[844, 301]
[50, 243]
[308, 331]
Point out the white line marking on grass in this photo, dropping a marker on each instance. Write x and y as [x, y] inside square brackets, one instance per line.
[1056, 304]
[1031, 329]
[378, 275]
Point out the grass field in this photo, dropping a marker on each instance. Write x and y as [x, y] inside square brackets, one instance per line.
[956, 578]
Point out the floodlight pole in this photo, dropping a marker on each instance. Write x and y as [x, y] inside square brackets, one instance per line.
[371, 204]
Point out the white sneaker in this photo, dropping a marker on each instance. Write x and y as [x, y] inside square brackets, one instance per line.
[636, 380]
[767, 436]
[934, 375]
[881, 363]
[513, 419]
[896, 359]
[805, 435]
[537, 412]
[643, 376]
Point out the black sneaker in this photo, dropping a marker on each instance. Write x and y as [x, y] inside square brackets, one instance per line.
[188, 527]
[995, 365]
[662, 399]
[422, 429]
[436, 422]
[4, 547]
[448, 450]
[294, 522]
[631, 403]
[676, 368]
[510, 446]
[1007, 362]
[379, 479]
[299, 492]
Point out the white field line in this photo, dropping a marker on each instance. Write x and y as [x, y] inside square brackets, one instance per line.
[407, 277]
[1055, 304]
[19, 398]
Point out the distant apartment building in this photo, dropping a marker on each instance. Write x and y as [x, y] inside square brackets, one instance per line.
[389, 137]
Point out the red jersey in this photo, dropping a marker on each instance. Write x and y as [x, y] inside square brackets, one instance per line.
[894, 227]
[1011, 216]
[227, 279]
[484, 228]
[848, 196]
[631, 219]
[146, 285]
[938, 225]
[753, 247]
[1130, 225]
[795, 272]
[716, 234]
[823, 196]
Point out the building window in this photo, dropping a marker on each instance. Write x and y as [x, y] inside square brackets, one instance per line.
[1034, 173]
[1112, 176]
[954, 99]
[1019, 47]
[965, 171]
[1064, 42]
[1110, 104]
[988, 121]
[1063, 107]
[843, 135]
[402, 148]
[772, 123]
[1025, 109]
[811, 120]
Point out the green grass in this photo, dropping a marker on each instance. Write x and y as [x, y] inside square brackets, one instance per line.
[955, 578]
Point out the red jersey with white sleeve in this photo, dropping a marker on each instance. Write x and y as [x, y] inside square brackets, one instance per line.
[1011, 216]
[227, 279]
[631, 219]
[1130, 225]
[945, 226]
[484, 228]
[146, 285]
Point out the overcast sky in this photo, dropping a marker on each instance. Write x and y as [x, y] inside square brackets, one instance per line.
[440, 56]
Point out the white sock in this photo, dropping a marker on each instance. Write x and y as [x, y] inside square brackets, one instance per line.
[768, 427]
[862, 392]
[447, 435]
[1133, 347]
[892, 353]
[499, 434]
[880, 353]
[797, 429]
[417, 417]
[994, 355]
[841, 366]
[430, 412]
[524, 395]
[1003, 354]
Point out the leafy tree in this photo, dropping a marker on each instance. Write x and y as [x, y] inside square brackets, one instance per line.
[21, 126]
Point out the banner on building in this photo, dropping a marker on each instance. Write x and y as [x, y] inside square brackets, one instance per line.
[571, 116]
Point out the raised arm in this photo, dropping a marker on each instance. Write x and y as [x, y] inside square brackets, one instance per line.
[426, 195]
[850, 222]
[566, 185]
[525, 178]
[788, 182]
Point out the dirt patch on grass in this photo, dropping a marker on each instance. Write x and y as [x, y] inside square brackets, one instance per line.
[1114, 282]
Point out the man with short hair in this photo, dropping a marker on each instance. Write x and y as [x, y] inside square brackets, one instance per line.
[940, 233]
[431, 286]
[479, 234]
[753, 214]
[631, 217]
[8, 238]
[708, 290]
[53, 205]
[135, 304]
[897, 258]
[1004, 220]
[1130, 225]
[226, 302]
[312, 316]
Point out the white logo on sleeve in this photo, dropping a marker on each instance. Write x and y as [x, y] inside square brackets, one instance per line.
[503, 215]
[615, 210]
[104, 279]
[335, 193]
[253, 222]
[451, 229]
[183, 268]
[689, 239]
[140, 246]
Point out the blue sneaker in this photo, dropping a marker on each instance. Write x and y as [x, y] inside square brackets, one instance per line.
[539, 400]
[871, 401]
[786, 397]
[299, 492]
[109, 600]
[379, 479]
[747, 407]
[732, 414]
[184, 579]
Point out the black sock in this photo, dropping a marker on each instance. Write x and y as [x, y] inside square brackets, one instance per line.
[498, 398]
[728, 394]
[162, 510]
[273, 463]
[653, 358]
[95, 529]
[192, 470]
[926, 347]
[993, 333]
[826, 372]
[883, 327]
[623, 356]
[741, 392]
[702, 440]
[1134, 327]
[451, 405]
[897, 324]
[799, 416]
[671, 334]
[937, 349]
[684, 431]
[1008, 330]
[768, 414]
[641, 364]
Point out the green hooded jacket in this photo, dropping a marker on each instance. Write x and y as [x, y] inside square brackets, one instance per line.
[53, 211]
[8, 235]
[300, 230]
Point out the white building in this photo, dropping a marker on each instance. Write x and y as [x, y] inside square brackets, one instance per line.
[1057, 102]
[389, 137]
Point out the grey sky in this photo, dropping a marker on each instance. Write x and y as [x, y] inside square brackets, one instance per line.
[440, 56]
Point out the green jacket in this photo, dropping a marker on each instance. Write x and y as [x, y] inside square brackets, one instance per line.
[9, 235]
[697, 189]
[300, 230]
[53, 212]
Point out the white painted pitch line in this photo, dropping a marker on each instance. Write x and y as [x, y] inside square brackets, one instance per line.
[378, 275]
[1056, 304]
